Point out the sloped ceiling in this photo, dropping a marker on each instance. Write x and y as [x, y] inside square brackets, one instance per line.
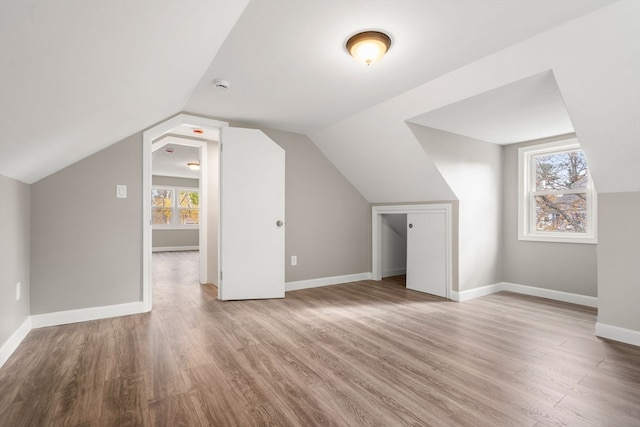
[526, 110]
[78, 76]
[289, 69]
[596, 63]
[172, 159]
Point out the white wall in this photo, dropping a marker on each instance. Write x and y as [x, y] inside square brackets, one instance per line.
[473, 170]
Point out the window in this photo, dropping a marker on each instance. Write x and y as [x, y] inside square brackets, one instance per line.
[556, 194]
[173, 207]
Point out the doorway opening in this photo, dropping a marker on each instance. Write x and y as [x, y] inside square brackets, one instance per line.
[428, 257]
[394, 248]
[181, 129]
[176, 215]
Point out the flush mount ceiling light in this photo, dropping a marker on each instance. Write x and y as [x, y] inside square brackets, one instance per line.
[221, 84]
[368, 46]
[194, 166]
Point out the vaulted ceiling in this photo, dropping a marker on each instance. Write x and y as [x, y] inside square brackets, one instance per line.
[76, 77]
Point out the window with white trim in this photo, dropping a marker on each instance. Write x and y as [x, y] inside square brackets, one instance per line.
[174, 207]
[557, 201]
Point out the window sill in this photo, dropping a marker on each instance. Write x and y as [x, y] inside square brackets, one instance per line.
[589, 240]
[168, 227]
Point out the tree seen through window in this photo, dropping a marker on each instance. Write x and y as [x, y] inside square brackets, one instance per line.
[175, 207]
[560, 196]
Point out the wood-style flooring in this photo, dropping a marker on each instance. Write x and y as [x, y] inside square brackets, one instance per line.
[364, 353]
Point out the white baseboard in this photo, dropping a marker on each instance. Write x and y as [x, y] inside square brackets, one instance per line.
[395, 272]
[476, 292]
[526, 290]
[174, 248]
[86, 314]
[628, 336]
[325, 281]
[551, 294]
[94, 313]
[63, 318]
[7, 349]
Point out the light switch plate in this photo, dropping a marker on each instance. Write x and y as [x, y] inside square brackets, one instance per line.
[121, 191]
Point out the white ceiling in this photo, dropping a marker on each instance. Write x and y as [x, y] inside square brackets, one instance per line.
[174, 163]
[526, 110]
[289, 69]
[596, 63]
[197, 132]
[76, 77]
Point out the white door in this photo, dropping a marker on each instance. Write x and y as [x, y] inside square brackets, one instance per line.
[427, 252]
[251, 216]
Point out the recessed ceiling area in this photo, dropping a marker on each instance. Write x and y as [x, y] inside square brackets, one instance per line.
[174, 164]
[525, 110]
[175, 149]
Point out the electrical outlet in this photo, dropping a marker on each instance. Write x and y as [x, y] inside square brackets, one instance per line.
[18, 291]
[294, 260]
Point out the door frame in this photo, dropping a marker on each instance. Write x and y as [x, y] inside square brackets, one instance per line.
[376, 235]
[147, 146]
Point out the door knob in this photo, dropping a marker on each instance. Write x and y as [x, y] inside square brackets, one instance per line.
[279, 223]
[410, 225]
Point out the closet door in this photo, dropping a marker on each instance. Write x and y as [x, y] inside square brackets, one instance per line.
[427, 252]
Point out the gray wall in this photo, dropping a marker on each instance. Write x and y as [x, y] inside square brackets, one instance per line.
[394, 244]
[566, 267]
[86, 246]
[473, 170]
[328, 222]
[176, 238]
[15, 230]
[619, 260]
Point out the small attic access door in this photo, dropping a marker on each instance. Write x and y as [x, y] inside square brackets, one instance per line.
[426, 252]
[428, 246]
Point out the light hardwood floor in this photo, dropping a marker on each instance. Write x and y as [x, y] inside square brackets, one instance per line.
[364, 353]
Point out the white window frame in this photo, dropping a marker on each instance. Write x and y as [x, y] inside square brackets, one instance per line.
[175, 209]
[526, 189]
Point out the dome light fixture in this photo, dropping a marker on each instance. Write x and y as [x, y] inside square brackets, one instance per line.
[194, 166]
[221, 84]
[368, 46]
